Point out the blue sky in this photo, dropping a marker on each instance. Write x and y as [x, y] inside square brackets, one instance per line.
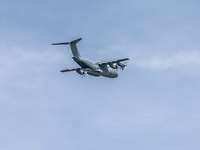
[154, 104]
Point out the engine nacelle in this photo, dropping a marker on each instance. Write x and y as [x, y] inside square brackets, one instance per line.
[121, 65]
[113, 65]
[81, 72]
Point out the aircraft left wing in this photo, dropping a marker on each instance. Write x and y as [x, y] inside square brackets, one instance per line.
[80, 71]
[69, 70]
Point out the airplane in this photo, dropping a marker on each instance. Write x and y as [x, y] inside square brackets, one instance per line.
[105, 69]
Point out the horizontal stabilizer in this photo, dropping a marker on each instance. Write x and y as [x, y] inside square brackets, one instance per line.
[67, 43]
[76, 41]
[73, 46]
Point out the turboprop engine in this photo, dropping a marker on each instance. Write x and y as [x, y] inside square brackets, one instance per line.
[113, 65]
[80, 71]
[121, 65]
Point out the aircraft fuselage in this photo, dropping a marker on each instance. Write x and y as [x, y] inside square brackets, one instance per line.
[94, 69]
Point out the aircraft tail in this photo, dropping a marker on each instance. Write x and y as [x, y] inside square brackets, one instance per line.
[73, 46]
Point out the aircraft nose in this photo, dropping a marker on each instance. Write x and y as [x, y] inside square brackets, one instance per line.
[115, 75]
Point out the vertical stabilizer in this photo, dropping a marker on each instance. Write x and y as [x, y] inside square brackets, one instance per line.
[73, 46]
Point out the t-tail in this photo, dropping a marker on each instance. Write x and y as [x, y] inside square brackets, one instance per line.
[73, 46]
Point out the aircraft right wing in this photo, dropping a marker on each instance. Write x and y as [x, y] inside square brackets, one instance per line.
[113, 61]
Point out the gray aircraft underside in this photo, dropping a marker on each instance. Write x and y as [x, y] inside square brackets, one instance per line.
[106, 69]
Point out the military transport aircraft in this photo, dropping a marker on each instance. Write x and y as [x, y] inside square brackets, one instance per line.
[106, 69]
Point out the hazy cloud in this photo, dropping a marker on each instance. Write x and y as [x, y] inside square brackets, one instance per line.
[178, 60]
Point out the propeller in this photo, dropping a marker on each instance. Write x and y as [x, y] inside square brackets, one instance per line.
[121, 65]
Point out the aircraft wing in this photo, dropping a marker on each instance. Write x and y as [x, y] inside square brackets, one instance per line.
[69, 70]
[113, 61]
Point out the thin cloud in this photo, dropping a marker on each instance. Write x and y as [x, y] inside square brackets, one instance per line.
[181, 60]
